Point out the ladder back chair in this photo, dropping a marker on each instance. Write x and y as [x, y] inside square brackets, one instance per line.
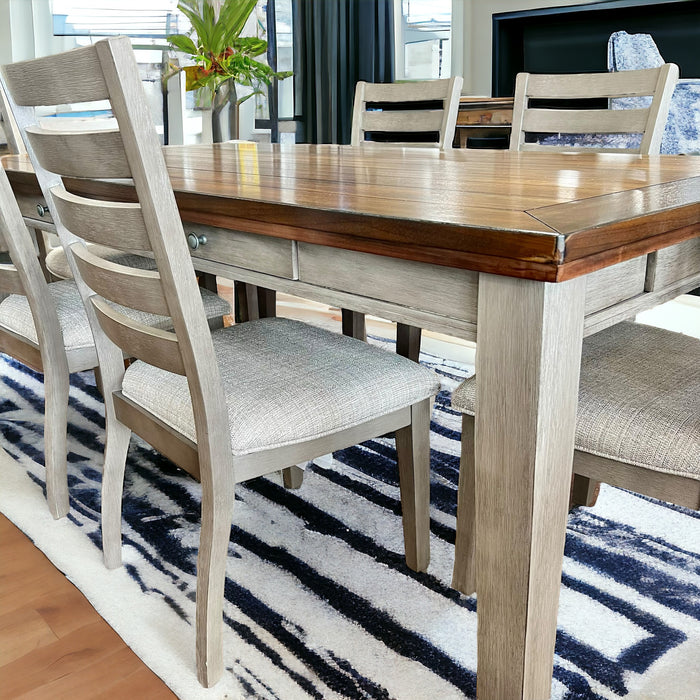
[418, 114]
[649, 124]
[45, 327]
[596, 129]
[638, 426]
[229, 406]
[31, 332]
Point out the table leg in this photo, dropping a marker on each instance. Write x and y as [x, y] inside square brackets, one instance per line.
[528, 359]
[354, 324]
[253, 302]
[207, 281]
[408, 341]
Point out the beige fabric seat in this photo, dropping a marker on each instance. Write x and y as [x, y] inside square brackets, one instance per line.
[287, 382]
[16, 315]
[57, 263]
[639, 398]
[638, 426]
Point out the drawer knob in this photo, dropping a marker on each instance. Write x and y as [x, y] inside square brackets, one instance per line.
[194, 241]
[42, 209]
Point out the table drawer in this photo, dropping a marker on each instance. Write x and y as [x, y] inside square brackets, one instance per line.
[673, 264]
[273, 256]
[442, 290]
[612, 285]
[34, 208]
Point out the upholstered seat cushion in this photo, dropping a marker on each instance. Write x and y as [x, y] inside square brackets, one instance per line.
[16, 315]
[639, 398]
[57, 263]
[287, 382]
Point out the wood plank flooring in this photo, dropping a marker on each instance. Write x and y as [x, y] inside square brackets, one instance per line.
[52, 642]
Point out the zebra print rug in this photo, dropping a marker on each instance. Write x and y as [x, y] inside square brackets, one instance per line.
[319, 603]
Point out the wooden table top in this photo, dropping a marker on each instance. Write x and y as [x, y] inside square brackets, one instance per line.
[533, 215]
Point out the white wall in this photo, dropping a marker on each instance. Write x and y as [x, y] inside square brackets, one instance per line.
[26, 31]
[477, 36]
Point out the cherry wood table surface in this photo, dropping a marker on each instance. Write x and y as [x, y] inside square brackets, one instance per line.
[519, 220]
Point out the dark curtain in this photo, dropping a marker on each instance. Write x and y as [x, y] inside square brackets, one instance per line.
[337, 43]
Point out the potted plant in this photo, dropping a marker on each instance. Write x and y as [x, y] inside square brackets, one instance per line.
[222, 57]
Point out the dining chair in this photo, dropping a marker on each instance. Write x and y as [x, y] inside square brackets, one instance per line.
[638, 425]
[556, 125]
[392, 113]
[226, 406]
[396, 112]
[45, 327]
[545, 128]
[30, 331]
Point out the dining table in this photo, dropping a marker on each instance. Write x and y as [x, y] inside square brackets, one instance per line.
[524, 253]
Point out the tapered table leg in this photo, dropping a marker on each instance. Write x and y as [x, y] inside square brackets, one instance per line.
[528, 359]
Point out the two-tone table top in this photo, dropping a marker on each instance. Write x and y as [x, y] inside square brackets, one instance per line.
[532, 215]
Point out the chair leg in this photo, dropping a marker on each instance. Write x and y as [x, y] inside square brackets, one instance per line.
[584, 491]
[56, 383]
[354, 324]
[293, 477]
[464, 571]
[413, 454]
[116, 448]
[408, 341]
[217, 512]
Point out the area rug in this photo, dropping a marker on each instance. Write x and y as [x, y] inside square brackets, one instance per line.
[319, 602]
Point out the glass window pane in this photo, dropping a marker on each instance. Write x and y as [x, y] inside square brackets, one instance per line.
[426, 38]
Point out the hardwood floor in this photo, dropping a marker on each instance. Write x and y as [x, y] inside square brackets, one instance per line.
[53, 645]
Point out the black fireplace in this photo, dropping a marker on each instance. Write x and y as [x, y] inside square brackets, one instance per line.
[574, 39]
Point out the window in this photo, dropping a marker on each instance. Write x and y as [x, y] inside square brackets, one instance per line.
[424, 40]
[153, 19]
[147, 22]
[274, 108]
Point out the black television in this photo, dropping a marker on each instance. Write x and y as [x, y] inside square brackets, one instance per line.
[574, 39]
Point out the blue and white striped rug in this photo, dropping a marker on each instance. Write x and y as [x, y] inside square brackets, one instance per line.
[319, 601]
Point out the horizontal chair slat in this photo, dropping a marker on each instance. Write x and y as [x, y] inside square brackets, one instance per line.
[411, 121]
[114, 224]
[152, 345]
[10, 281]
[629, 83]
[21, 348]
[586, 121]
[128, 286]
[98, 154]
[66, 78]
[402, 92]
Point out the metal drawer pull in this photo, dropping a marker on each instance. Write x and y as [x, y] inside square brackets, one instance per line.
[42, 210]
[194, 241]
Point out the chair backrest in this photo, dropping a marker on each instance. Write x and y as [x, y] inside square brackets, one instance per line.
[108, 70]
[648, 121]
[404, 113]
